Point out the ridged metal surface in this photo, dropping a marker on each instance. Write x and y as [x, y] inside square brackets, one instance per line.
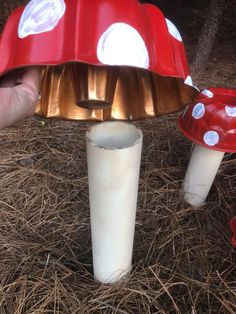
[138, 94]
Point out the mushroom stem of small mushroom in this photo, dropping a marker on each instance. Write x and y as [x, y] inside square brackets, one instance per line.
[201, 172]
[113, 154]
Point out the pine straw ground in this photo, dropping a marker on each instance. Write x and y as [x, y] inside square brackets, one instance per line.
[183, 261]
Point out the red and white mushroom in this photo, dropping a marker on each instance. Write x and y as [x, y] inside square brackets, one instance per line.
[210, 122]
[125, 61]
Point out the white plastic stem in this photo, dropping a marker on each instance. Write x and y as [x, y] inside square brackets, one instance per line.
[113, 154]
[201, 172]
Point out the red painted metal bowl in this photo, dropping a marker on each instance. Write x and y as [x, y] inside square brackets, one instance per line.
[211, 120]
[79, 41]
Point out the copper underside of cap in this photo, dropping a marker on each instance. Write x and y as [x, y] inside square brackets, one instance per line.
[79, 91]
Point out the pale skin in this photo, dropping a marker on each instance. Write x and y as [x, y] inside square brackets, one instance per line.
[19, 94]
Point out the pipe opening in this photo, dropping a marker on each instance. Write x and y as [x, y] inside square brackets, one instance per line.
[114, 135]
[94, 104]
[94, 86]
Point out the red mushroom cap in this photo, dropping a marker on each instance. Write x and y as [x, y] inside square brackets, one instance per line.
[127, 47]
[97, 32]
[211, 120]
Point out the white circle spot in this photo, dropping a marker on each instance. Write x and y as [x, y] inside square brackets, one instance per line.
[40, 16]
[198, 111]
[121, 44]
[230, 111]
[173, 30]
[211, 138]
[188, 81]
[207, 92]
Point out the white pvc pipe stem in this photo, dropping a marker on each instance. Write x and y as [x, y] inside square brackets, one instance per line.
[201, 172]
[113, 155]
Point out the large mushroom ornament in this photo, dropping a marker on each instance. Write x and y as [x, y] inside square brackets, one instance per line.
[104, 59]
[210, 122]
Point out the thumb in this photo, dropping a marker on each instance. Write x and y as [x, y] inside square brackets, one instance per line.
[31, 80]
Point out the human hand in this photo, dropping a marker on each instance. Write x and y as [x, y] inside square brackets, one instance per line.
[19, 94]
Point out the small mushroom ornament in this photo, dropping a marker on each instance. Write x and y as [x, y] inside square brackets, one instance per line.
[210, 122]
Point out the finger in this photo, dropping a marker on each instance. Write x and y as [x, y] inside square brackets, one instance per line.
[30, 82]
[8, 80]
[15, 104]
[19, 101]
[32, 77]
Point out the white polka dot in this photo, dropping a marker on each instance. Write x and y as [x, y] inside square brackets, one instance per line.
[230, 111]
[211, 138]
[173, 30]
[188, 81]
[40, 16]
[121, 44]
[198, 111]
[207, 93]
